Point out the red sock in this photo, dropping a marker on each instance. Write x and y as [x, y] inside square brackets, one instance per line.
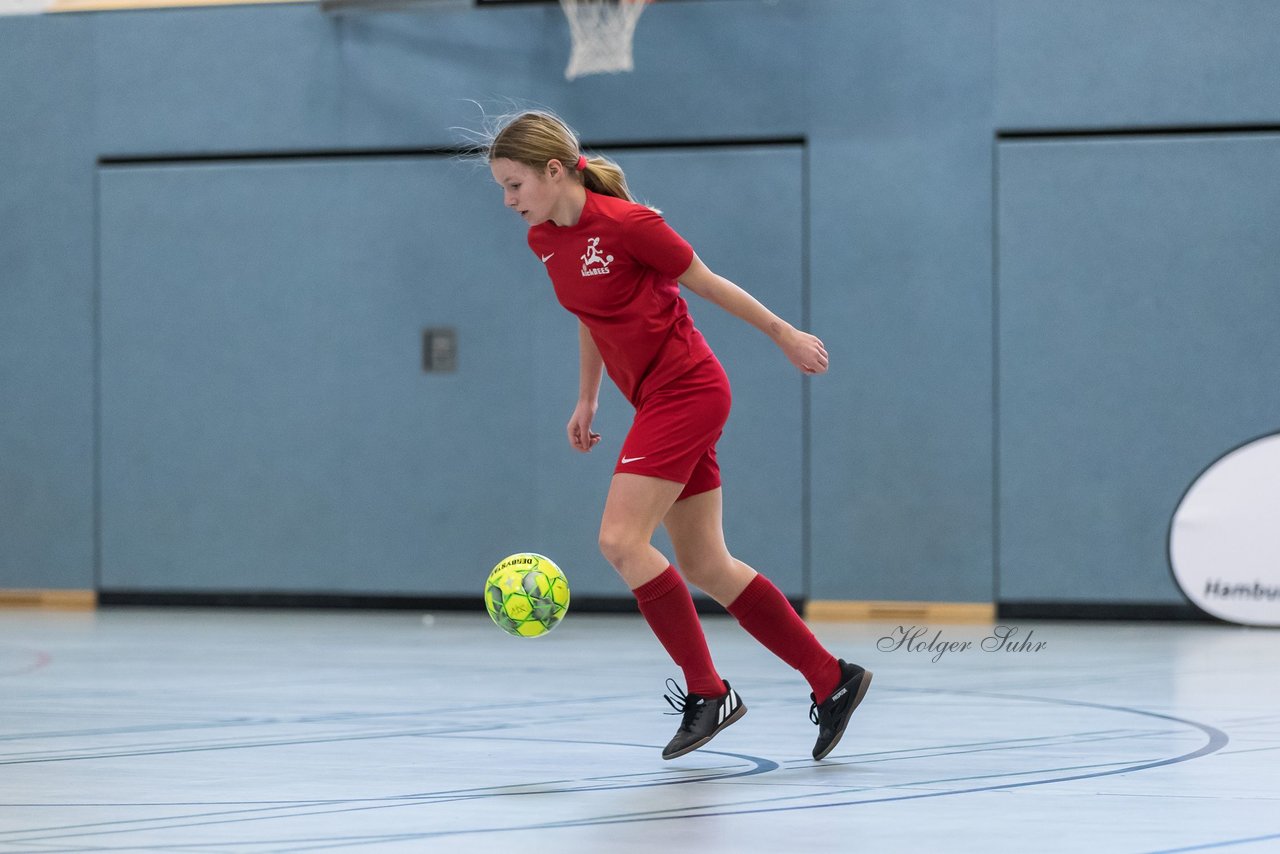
[769, 618]
[668, 608]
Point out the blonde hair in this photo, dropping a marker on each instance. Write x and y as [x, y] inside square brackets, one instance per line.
[535, 138]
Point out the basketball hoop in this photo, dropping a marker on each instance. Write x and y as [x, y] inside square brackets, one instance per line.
[602, 32]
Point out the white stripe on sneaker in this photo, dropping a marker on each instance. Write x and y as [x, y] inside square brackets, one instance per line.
[728, 707]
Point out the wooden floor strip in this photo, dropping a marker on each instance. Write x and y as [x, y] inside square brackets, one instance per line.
[67, 600]
[938, 612]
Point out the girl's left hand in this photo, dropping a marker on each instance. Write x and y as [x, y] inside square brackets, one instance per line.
[805, 351]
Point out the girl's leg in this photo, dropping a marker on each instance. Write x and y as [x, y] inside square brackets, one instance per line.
[696, 530]
[632, 512]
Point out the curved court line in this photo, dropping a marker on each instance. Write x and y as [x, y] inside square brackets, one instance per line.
[1216, 739]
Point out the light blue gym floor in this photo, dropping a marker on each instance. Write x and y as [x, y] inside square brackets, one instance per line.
[267, 731]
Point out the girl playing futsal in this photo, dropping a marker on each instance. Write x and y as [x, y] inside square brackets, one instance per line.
[617, 265]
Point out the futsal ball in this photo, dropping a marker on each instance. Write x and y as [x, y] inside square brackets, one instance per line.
[526, 595]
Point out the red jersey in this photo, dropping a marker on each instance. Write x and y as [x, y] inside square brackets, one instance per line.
[616, 270]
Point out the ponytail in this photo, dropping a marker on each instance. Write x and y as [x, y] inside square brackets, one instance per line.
[605, 177]
[535, 138]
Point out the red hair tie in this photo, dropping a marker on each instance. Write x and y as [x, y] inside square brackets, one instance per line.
[581, 165]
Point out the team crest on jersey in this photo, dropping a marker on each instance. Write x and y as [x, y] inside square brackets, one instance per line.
[594, 263]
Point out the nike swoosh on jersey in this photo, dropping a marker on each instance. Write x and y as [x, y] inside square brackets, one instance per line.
[546, 258]
[626, 460]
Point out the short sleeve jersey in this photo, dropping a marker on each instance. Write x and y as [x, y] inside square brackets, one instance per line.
[616, 270]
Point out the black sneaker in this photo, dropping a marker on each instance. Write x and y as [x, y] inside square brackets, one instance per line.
[832, 716]
[704, 717]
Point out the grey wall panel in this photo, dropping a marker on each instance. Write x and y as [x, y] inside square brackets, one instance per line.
[901, 268]
[46, 304]
[217, 80]
[1139, 297]
[265, 423]
[1117, 63]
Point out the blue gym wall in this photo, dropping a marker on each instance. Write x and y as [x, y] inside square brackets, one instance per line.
[209, 369]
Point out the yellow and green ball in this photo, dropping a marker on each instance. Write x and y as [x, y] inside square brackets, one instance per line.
[526, 595]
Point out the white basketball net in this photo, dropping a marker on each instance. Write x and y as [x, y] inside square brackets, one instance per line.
[602, 32]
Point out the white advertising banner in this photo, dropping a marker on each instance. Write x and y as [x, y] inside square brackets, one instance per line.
[1224, 542]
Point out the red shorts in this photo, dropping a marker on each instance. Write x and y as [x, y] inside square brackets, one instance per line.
[676, 428]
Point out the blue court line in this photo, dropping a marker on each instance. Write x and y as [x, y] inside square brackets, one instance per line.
[1222, 844]
[337, 717]
[1047, 742]
[128, 751]
[760, 766]
[1029, 741]
[1250, 750]
[1216, 740]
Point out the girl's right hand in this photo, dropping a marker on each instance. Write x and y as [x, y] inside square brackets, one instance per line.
[580, 436]
[805, 351]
